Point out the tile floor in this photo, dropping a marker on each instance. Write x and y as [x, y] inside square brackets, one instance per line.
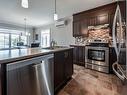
[89, 82]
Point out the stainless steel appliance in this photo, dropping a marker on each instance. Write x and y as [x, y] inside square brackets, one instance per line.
[97, 58]
[31, 77]
[119, 42]
[45, 77]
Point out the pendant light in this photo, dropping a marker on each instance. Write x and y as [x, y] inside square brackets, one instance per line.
[26, 33]
[25, 26]
[25, 4]
[55, 14]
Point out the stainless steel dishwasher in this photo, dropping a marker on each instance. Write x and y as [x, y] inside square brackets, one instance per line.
[31, 77]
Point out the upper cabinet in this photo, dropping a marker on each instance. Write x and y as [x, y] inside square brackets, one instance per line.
[84, 27]
[102, 19]
[80, 28]
[91, 21]
[76, 28]
[96, 16]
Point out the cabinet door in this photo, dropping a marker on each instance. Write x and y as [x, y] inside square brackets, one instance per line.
[84, 28]
[75, 55]
[111, 18]
[123, 9]
[81, 55]
[92, 21]
[58, 69]
[69, 63]
[76, 28]
[102, 19]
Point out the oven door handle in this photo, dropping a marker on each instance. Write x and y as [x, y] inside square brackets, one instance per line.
[116, 67]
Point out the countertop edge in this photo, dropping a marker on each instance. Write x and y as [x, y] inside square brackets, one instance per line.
[19, 58]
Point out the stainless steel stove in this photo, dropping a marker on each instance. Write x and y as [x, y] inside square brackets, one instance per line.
[97, 57]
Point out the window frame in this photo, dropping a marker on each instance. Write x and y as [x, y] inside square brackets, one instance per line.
[49, 37]
[10, 33]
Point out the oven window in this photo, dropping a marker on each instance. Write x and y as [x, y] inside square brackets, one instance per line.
[98, 55]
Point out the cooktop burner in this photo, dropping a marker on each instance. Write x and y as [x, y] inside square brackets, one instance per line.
[99, 44]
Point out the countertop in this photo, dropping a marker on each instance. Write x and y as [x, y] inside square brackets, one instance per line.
[12, 55]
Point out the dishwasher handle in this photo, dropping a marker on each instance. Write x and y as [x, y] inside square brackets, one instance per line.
[45, 76]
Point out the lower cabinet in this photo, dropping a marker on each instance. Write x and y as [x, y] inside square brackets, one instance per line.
[79, 55]
[63, 68]
[68, 55]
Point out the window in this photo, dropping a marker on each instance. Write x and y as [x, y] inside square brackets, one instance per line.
[14, 40]
[45, 38]
[10, 38]
[4, 40]
[24, 39]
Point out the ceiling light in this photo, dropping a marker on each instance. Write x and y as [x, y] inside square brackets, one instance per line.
[25, 4]
[55, 14]
[55, 17]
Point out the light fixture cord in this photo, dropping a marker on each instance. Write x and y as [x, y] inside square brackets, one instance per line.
[55, 6]
[25, 24]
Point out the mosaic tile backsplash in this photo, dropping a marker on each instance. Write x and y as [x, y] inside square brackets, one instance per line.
[99, 32]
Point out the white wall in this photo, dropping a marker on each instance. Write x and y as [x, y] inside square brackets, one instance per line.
[62, 35]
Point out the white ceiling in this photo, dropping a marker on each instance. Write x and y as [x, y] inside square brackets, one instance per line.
[40, 12]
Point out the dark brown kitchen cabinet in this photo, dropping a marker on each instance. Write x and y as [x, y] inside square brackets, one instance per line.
[3, 90]
[92, 21]
[80, 28]
[84, 28]
[75, 54]
[123, 10]
[97, 16]
[1, 84]
[63, 68]
[76, 28]
[111, 16]
[68, 64]
[98, 20]
[112, 58]
[79, 55]
[102, 19]
[58, 69]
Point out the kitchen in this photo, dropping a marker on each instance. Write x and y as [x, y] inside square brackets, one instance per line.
[49, 49]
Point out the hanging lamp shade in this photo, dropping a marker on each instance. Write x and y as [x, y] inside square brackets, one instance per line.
[55, 13]
[25, 4]
[55, 16]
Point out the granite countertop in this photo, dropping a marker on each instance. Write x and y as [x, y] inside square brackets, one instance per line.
[7, 56]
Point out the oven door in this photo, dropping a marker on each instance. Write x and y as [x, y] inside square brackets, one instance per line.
[97, 55]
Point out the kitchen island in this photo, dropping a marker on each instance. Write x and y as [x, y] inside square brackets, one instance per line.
[22, 80]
